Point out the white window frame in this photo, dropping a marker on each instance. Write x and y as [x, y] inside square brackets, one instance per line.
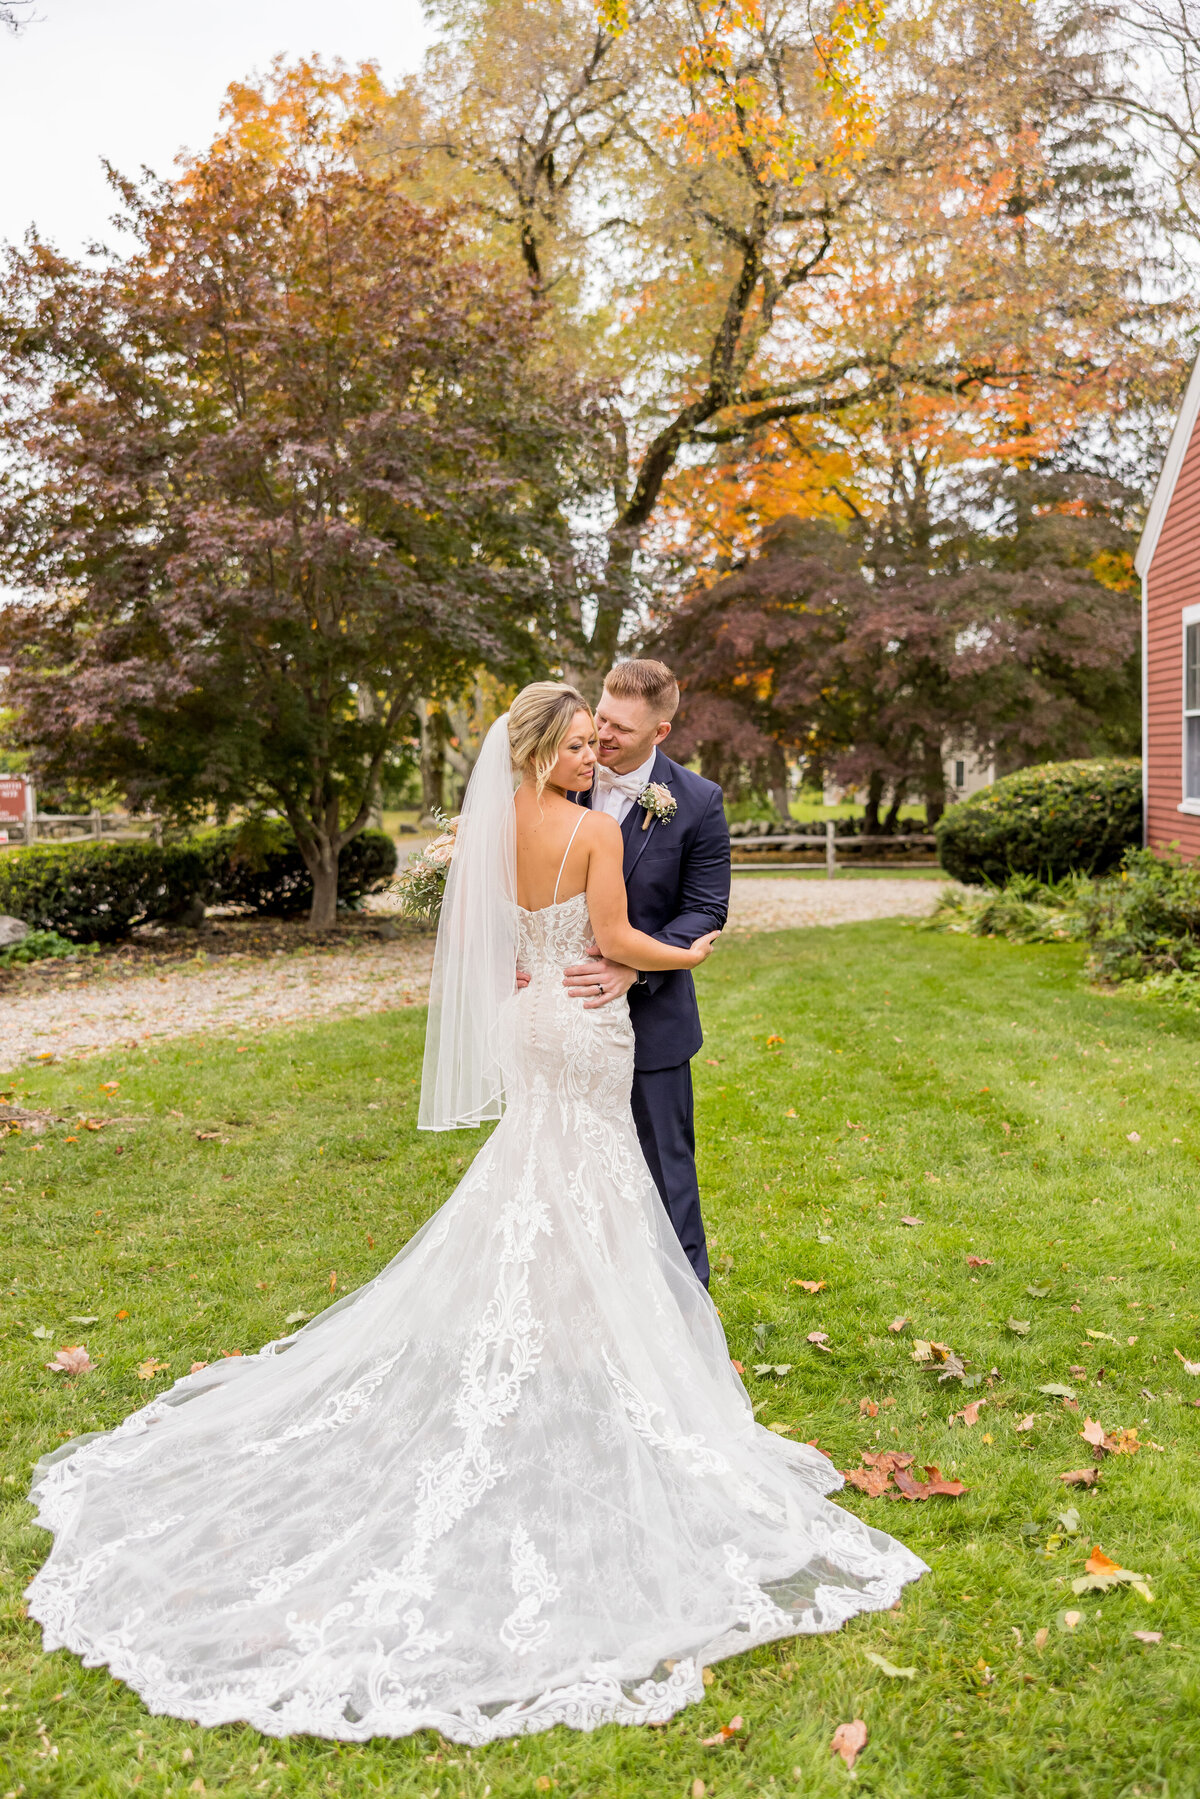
[1190, 616]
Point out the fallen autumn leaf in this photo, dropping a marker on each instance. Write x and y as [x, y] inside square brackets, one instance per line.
[849, 1741]
[935, 1486]
[1102, 1573]
[871, 1481]
[725, 1735]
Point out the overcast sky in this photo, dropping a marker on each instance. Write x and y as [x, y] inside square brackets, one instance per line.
[134, 80]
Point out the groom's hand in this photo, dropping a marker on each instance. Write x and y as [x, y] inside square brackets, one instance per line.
[597, 981]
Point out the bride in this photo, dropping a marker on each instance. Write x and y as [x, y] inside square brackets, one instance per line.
[513, 1481]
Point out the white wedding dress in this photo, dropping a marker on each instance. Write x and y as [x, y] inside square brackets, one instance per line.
[512, 1482]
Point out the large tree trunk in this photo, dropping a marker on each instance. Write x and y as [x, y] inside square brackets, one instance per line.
[933, 779]
[323, 915]
[874, 801]
[594, 660]
[433, 759]
[712, 762]
[467, 728]
[367, 709]
[777, 785]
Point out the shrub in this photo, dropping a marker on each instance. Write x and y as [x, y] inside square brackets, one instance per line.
[98, 891]
[1142, 923]
[258, 865]
[1145, 922]
[1060, 819]
[1025, 911]
[36, 946]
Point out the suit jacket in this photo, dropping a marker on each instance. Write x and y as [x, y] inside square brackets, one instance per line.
[677, 878]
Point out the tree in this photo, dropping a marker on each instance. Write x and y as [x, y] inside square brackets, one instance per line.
[759, 218]
[1156, 92]
[297, 460]
[1016, 637]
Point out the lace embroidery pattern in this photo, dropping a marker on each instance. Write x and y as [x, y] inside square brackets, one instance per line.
[523, 1630]
[339, 1409]
[692, 1451]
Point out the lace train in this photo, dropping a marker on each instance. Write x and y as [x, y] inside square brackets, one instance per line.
[511, 1482]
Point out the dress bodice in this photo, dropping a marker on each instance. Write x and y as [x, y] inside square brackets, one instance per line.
[554, 936]
[551, 1043]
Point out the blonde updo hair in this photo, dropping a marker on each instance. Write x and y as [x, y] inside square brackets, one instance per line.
[539, 721]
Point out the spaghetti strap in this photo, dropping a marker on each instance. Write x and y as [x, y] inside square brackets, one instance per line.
[567, 852]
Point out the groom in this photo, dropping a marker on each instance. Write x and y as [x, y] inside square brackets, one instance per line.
[677, 880]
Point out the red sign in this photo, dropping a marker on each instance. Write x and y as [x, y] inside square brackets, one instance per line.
[12, 798]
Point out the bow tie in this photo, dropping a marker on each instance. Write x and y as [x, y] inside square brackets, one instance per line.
[628, 786]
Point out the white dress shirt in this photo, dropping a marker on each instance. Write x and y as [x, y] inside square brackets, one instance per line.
[615, 794]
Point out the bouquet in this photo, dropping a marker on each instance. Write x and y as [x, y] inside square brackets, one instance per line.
[420, 885]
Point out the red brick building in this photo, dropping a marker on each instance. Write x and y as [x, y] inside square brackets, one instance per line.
[1168, 560]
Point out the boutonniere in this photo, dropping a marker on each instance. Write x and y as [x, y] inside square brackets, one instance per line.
[658, 802]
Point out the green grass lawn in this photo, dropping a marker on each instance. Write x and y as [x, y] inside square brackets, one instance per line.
[976, 1086]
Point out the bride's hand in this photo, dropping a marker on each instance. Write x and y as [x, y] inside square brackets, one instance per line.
[702, 949]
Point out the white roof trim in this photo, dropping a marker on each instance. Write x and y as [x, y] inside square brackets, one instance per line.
[1181, 437]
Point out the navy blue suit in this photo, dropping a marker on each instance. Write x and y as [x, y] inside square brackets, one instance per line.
[677, 881]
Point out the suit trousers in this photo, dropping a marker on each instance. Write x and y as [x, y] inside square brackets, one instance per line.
[663, 1115]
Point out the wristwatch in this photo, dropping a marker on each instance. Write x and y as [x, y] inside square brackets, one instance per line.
[639, 979]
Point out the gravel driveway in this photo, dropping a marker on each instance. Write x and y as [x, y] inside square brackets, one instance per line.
[78, 1015]
[763, 903]
[101, 1012]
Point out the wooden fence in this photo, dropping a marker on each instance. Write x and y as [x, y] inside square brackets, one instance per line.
[745, 850]
[78, 827]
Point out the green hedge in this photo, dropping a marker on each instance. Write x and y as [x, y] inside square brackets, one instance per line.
[1059, 819]
[96, 892]
[258, 865]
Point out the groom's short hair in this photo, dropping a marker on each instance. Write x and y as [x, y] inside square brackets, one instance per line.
[642, 679]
